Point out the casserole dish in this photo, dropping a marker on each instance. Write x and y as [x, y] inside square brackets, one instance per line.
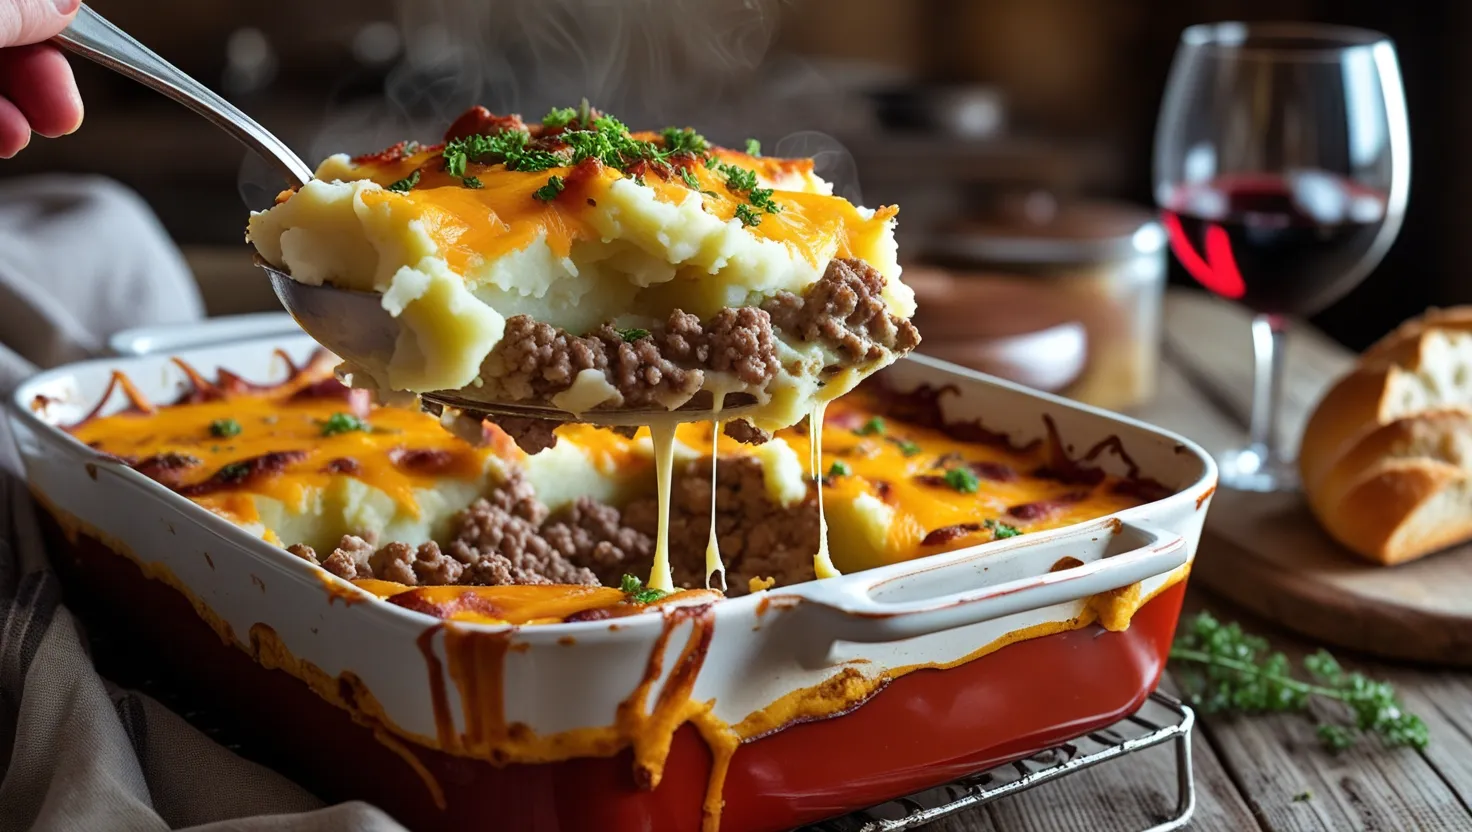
[762, 712]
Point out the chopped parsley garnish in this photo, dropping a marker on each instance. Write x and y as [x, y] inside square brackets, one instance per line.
[739, 178]
[508, 147]
[559, 117]
[688, 176]
[1000, 530]
[748, 216]
[907, 447]
[753, 147]
[632, 335]
[586, 135]
[743, 182]
[403, 185]
[839, 468]
[683, 140]
[962, 480]
[549, 191]
[224, 428]
[762, 198]
[873, 427]
[234, 472]
[638, 593]
[342, 423]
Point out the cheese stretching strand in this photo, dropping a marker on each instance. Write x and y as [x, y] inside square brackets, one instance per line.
[713, 563]
[662, 433]
[822, 561]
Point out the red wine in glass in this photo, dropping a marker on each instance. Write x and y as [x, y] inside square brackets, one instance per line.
[1282, 169]
[1277, 243]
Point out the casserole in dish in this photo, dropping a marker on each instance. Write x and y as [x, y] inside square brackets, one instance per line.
[753, 713]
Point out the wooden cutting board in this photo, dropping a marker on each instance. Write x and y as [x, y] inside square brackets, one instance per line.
[1265, 551]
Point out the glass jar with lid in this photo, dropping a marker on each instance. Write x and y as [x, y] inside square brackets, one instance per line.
[1065, 296]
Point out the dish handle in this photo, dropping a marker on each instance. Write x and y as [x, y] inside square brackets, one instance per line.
[896, 603]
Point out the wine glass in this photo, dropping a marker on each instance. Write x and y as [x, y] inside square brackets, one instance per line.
[1282, 167]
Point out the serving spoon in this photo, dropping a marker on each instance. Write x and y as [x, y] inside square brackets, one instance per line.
[352, 324]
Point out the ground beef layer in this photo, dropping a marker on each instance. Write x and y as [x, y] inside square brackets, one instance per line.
[510, 537]
[843, 310]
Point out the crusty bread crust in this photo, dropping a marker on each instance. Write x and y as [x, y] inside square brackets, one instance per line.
[1386, 457]
[1376, 498]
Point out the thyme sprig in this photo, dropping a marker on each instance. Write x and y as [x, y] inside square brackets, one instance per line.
[1225, 670]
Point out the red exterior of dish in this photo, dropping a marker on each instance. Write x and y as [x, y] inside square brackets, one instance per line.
[925, 728]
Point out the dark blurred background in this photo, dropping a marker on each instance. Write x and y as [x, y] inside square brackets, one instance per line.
[949, 107]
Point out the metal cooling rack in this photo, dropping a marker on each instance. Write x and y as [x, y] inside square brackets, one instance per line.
[1162, 719]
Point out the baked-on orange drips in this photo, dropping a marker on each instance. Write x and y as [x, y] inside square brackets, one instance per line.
[476, 664]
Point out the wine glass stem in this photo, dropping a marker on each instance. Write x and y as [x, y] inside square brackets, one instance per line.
[1269, 347]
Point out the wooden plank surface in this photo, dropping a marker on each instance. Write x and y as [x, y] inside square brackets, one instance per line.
[1126, 795]
[1276, 758]
[1281, 564]
[1264, 772]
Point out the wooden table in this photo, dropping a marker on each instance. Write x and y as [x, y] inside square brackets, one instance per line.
[1263, 772]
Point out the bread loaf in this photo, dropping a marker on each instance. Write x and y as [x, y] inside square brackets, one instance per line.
[1386, 457]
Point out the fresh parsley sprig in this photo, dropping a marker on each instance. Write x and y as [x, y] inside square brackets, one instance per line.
[1225, 670]
[963, 480]
[1000, 530]
[683, 140]
[224, 428]
[342, 423]
[743, 182]
[560, 117]
[404, 185]
[638, 593]
[549, 191]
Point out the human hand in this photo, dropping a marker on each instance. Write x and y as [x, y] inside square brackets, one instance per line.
[37, 91]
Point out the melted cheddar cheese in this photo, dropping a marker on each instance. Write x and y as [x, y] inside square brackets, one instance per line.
[456, 251]
[473, 226]
[892, 490]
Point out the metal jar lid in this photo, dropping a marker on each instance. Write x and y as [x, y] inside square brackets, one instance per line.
[1039, 230]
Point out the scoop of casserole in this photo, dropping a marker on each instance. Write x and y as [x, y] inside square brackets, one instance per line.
[574, 264]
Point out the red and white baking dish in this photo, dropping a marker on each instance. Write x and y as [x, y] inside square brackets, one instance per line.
[948, 663]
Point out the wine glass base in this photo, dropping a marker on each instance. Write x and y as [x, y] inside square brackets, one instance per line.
[1252, 469]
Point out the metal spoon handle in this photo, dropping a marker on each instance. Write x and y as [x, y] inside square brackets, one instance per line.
[94, 38]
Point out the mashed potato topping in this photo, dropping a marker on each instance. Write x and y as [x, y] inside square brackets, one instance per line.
[574, 263]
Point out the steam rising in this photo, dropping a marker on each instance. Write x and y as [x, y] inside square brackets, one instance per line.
[831, 160]
[701, 63]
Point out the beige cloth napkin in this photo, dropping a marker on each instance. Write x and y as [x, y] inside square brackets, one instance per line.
[81, 258]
